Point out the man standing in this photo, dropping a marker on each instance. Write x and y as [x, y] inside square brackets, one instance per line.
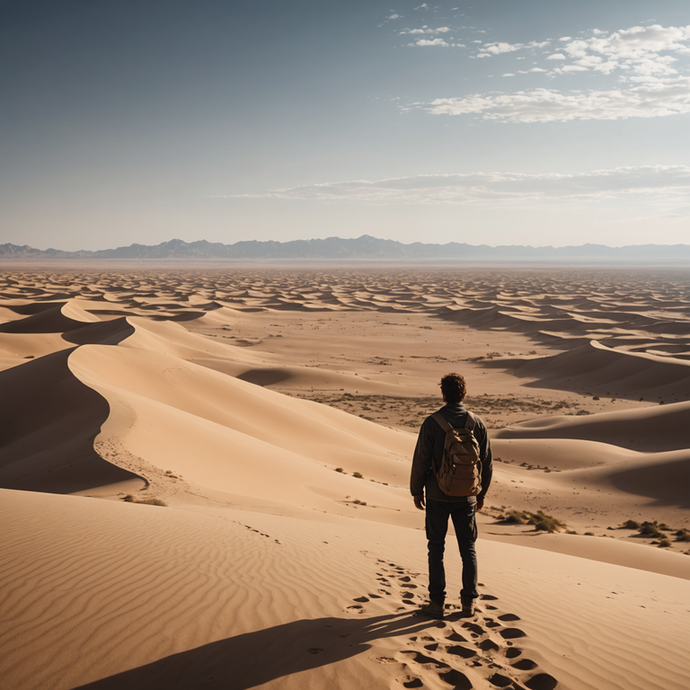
[440, 506]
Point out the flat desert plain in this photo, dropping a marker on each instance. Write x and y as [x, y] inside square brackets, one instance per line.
[204, 477]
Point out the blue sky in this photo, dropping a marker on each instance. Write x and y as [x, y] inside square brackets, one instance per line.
[543, 122]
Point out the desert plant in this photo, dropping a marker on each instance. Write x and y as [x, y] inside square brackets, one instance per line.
[541, 521]
[358, 475]
[651, 529]
[683, 535]
[630, 524]
[664, 543]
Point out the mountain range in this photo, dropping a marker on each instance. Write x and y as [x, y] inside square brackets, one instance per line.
[364, 248]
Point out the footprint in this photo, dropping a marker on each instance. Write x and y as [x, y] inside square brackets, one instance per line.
[488, 597]
[413, 683]
[488, 646]
[407, 595]
[407, 578]
[363, 600]
[509, 617]
[431, 647]
[464, 652]
[473, 627]
[500, 681]
[458, 680]
[456, 637]
[542, 681]
[513, 652]
[511, 633]
[525, 665]
[424, 659]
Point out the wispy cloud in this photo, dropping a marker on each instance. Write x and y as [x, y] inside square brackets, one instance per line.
[650, 65]
[648, 183]
[650, 99]
[427, 30]
[432, 42]
[489, 49]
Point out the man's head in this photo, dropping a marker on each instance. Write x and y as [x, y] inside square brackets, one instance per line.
[453, 388]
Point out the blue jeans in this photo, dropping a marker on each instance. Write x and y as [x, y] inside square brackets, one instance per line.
[463, 515]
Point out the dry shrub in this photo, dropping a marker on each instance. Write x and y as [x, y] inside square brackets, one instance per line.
[651, 529]
[541, 521]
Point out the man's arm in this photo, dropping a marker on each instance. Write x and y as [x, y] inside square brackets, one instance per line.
[487, 464]
[421, 465]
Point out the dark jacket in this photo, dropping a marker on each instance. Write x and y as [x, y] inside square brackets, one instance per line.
[429, 452]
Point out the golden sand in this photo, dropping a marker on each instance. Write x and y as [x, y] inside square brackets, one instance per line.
[274, 413]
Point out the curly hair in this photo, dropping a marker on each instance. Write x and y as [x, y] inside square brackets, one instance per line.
[453, 388]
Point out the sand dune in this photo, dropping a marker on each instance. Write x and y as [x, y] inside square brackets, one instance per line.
[289, 554]
[619, 373]
[50, 421]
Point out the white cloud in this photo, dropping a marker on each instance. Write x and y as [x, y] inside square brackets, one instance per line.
[556, 56]
[644, 183]
[498, 48]
[427, 42]
[394, 16]
[571, 68]
[651, 99]
[427, 30]
[637, 50]
[566, 38]
[508, 74]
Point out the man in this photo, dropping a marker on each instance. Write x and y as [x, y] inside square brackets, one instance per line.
[440, 506]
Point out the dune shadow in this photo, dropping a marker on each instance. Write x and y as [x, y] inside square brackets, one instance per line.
[667, 483]
[100, 333]
[264, 377]
[252, 659]
[48, 422]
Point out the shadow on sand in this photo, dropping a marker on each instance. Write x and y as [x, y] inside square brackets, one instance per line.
[255, 658]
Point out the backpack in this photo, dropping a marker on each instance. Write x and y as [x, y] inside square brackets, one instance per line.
[460, 471]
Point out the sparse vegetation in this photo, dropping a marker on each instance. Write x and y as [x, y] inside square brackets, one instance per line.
[540, 520]
[664, 543]
[410, 412]
[359, 503]
[339, 469]
[358, 475]
[630, 524]
[651, 529]
[683, 535]
[145, 501]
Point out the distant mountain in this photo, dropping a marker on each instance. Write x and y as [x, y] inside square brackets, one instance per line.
[364, 248]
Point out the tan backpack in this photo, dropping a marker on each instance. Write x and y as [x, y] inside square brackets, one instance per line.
[460, 473]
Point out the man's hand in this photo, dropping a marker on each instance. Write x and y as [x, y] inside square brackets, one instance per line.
[480, 503]
[418, 502]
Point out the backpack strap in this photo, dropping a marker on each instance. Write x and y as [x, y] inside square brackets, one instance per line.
[445, 425]
[441, 420]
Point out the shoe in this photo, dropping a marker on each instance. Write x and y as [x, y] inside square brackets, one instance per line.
[467, 609]
[433, 609]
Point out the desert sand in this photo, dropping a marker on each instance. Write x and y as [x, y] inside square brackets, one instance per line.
[204, 477]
